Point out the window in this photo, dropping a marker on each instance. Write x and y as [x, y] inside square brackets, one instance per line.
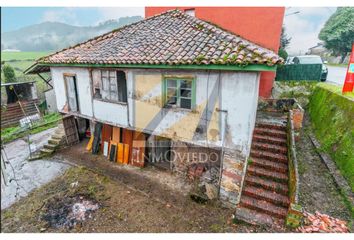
[113, 86]
[179, 93]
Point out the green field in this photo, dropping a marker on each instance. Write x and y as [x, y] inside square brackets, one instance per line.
[20, 61]
[21, 56]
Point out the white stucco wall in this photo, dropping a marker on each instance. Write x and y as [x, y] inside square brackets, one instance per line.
[51, 101]
[237, 94]
[83, 87]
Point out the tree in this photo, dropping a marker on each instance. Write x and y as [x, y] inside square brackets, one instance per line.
[284, 43]
[9, 74]
[338, 32]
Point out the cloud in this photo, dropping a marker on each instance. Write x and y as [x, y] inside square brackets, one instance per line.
[117, 12]
[303, 28]
[64, 15]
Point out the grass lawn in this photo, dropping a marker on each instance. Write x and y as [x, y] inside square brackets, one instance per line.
[336, 89]
[21, 56]
[20, 61]
[48, 121]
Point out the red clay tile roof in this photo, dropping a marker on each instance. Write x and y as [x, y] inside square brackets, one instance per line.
[172, 38]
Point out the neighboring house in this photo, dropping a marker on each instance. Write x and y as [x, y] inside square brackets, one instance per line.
[21, 101]
[325, 54]
[173, 81]
[319, 49]
[261, 25]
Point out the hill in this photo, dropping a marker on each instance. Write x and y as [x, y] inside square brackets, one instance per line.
[52, 36]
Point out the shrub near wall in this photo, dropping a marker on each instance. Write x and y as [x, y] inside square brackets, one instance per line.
[332, 116]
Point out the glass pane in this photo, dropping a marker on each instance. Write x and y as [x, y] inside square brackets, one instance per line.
[186, 103]
[172, 101]
[171, 83]
[114, 96]
[113, 86]
[104, 73]
[171, 92]
[105, 84]
[112, 74]
[186, 93]
[186, 84]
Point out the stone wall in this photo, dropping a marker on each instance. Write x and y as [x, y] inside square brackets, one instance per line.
[185, 156]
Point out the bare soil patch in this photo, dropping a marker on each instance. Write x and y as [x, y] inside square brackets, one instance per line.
[129, 199]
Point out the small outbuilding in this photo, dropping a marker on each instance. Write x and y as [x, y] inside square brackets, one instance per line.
[19, 101]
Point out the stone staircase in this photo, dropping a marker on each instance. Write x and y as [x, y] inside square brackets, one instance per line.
[54, 142]
[264, 199]
[57, 139]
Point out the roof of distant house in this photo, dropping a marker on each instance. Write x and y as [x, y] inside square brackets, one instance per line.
[170, 38]
[16, 83]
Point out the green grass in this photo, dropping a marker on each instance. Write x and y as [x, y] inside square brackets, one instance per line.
[336, 89]
[332, 116]
[20, 61]
[21, 56]
[48, 121]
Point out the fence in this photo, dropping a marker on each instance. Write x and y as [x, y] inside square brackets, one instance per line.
[299, 72]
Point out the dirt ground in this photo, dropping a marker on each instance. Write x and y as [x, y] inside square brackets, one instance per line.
[318, 191]
[151, 200]
[130, 200]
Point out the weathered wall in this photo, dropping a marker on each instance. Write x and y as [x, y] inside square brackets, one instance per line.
[83, 85]
[51, 101]
[224, 113]
[332, 116]
[234, 92]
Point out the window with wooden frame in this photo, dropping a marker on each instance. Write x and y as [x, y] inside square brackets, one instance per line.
[113, 86]
[179, 92]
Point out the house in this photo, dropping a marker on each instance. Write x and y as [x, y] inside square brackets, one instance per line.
[19, 101]
[171, 90]
[261, 25]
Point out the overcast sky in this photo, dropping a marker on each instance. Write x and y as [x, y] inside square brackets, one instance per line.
[303, 27]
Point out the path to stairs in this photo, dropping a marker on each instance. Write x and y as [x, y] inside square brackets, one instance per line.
[264, 199]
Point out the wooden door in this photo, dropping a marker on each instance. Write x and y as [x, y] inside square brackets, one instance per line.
[72, 136]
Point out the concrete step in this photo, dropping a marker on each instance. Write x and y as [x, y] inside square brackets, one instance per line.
[264, 207]
[256, 218]
[269, 147]
[46, 151]
[270, 132]
[54, 141]
[270, 185]
[270, 165]
[276, 157]
[271, 140]
[50, 146]
[281, 127]
[268, 174]
[57, 136]
[269, 196]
